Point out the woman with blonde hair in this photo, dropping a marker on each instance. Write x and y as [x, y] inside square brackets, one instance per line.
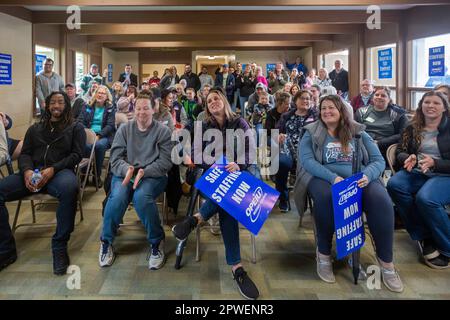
[117, 91]
[219, 116]
[99, 115]
[323, 80]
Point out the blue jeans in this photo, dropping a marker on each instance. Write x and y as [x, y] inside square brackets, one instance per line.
[376, 204]
[63, 186]
[420, 201]
[242, 101]
[229, 226]
[101, 146]
[285, 165]
[235, 99]
[144, 201]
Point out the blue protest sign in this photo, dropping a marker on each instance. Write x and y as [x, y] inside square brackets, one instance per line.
[348, 223]
[40, 59]
[243, 196]
[110, 72]
[436, 62]
[385, 64]
[5, 69]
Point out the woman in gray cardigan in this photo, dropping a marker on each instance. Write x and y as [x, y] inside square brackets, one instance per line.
[325, 158]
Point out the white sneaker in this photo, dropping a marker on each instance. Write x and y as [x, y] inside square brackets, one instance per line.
[106, 255]
[157, 257]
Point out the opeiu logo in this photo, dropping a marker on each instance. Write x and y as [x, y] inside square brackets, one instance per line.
[254, 209]
[349, 192]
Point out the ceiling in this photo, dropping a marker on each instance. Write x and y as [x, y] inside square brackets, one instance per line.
[207, 24]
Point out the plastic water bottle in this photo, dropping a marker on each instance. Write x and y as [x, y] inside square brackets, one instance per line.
[35, 178]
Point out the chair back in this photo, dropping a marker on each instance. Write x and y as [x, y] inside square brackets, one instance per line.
[390, 156]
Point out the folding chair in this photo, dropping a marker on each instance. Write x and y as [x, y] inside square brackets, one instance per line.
[85, 162]
[390, 156]
[9, 167]
[84, 167]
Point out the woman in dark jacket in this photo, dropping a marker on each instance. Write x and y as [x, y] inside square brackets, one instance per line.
[246, 83]
[384, 121]
[290, 126]
[99, 116]
[421, 189]
[221, 117]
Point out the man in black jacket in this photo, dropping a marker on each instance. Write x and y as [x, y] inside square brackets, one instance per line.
[193, 81]
[128, 78]
[54, 147]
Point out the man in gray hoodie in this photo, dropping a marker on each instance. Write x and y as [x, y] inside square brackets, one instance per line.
[140, 160]
[47, 81]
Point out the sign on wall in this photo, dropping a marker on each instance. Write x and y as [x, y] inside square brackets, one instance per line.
[110, 72]
[5, 69]
[270, 67]
[385, 64]
[40, 60]
[436, 65]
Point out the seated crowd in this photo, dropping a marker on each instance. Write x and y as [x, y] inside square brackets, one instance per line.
[318, 130]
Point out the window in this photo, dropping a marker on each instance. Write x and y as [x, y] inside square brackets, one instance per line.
[327, 60]
[42, 53]
[424, 73]
[80, 69]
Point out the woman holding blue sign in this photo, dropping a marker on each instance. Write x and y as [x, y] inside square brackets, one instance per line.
[325, 158]
[420, 190]
[221, 118]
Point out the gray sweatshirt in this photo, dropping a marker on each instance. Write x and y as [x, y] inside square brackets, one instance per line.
[149, 150]
[46, 85]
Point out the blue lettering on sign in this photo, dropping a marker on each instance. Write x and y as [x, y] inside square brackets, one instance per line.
[436, 62]
[246, 198]
[348, 223]
[40, 59]
[5, 69]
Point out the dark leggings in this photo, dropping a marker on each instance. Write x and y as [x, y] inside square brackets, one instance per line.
[378, 209]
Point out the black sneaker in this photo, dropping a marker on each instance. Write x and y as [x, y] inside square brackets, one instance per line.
[246, 286]
[440, 262]
[182, 230]
[7, 258]
[284, 205]
[61, 261]
[427, 249]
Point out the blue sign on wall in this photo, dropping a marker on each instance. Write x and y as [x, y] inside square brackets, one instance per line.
[5, 69]
[270, 67]
[40, 59]
[436, 65]
[110, 72]
[385, 64]
[243, 196]
[348, 223]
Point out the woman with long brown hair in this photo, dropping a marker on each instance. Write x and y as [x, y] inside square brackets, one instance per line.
[325, 158]
[421, 189]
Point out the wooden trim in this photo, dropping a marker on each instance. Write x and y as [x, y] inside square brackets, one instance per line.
[227, 3]
[18, 12]
[203, 17]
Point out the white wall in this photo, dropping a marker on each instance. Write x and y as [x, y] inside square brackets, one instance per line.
[17, 99]
[118, 60]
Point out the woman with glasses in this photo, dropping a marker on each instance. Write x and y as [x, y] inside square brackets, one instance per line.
[290, 126]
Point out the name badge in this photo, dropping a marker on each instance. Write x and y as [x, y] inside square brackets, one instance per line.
[369, 119]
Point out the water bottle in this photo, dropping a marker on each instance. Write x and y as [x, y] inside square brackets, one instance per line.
[35, 178]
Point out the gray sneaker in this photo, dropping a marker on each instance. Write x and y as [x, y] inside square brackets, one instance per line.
[391, 280]
[214, 224]
[157, 257]
[106, 255]
[325, 269]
